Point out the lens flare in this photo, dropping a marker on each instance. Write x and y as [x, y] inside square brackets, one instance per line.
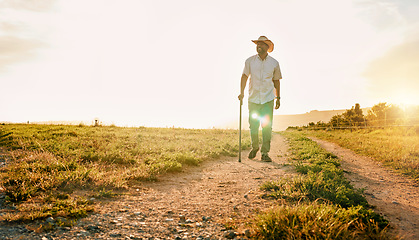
[265, 120]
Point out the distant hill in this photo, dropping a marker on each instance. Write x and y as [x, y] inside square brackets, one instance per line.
[282, 122]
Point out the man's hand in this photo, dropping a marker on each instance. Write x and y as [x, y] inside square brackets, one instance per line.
[278, 103]
[241, 96]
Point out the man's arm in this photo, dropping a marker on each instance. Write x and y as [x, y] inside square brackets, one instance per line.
[277, 88]
[243, 86]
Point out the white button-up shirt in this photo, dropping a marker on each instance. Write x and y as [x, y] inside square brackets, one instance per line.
[262, 73]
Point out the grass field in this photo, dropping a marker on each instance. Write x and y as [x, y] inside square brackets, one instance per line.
[320, 203]
[53, 170]
[397, 147]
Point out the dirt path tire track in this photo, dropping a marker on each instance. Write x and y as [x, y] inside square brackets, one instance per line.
[193, 204]
[395, 196]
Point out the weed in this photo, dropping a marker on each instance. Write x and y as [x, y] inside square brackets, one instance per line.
[106, 194]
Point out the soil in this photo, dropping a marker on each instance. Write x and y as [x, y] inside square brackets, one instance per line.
[207, 201]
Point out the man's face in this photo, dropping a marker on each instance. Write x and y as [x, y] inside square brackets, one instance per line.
[262, 47]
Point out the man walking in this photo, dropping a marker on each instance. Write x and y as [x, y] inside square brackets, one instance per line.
[264, 73]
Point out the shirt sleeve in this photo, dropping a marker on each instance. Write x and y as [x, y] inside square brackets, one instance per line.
[246, 70]
[277, 73]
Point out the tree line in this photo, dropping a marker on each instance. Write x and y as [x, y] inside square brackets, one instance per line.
[380, 115]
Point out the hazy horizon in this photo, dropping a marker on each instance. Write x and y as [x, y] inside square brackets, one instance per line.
[279, 125]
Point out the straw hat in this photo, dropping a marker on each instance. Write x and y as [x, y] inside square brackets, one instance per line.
[265, 40]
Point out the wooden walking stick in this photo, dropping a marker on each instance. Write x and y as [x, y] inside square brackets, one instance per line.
[240, 131]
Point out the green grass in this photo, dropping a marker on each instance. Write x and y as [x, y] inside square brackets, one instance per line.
[396, 147]
[317, 221]
[55, 168]
[319, 203]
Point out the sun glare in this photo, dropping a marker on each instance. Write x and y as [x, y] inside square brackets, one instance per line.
[406, 98]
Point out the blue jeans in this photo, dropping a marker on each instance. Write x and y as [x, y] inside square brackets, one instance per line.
[261, 114]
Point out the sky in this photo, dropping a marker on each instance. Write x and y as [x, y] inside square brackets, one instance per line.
[164, 63]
